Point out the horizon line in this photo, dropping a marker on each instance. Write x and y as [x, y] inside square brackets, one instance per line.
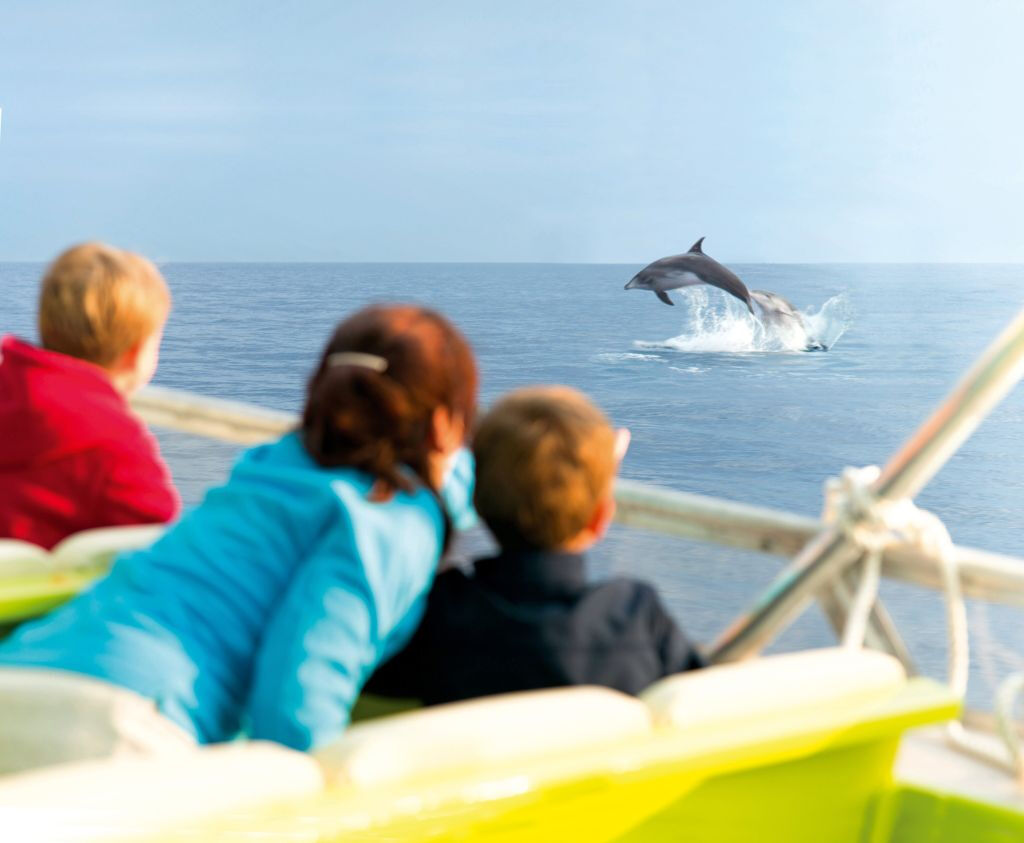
[166, 261]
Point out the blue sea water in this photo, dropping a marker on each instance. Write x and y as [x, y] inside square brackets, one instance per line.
[714, 407]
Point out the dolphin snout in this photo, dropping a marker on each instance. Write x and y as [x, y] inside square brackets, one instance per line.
[630, 284]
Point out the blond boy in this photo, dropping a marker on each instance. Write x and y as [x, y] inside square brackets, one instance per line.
[72, 455]
[528, 618]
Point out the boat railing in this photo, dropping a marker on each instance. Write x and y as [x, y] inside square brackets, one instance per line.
[986, 576]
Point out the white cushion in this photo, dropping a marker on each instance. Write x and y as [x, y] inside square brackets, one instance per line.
[102, 544]
[110, 800]
[55, 716]
[772, 685]
[494, 730]
[18, 557]
[88, 548]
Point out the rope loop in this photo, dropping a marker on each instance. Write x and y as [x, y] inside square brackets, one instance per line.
[873, 525]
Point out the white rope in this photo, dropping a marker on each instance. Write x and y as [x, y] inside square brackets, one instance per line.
[873, 525]
[850, 504]
[859, 614]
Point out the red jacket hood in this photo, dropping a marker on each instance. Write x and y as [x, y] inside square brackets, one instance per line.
[53, 405]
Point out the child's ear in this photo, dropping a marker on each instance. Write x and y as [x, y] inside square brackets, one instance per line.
[602, 517]
[135, 367]
[447, 430]
[128, 359]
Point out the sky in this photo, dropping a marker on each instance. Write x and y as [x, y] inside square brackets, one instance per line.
[456, 130]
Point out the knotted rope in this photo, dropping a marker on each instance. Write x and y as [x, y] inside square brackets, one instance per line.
[873, 525]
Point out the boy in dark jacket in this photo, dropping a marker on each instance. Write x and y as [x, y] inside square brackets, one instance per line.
[72, 454]
[546, 460]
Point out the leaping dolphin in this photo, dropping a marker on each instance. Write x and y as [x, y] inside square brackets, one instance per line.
[689, 270]
[693, 268]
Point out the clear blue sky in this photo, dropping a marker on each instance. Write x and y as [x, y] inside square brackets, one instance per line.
[792, 130]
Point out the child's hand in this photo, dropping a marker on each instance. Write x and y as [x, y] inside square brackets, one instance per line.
[457, 490]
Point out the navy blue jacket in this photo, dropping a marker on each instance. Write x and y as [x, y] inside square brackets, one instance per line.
[529, 619]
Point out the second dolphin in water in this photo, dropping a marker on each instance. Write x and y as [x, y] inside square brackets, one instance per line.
[694, 267]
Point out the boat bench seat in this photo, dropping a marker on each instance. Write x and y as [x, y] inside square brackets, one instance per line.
[475, 734]
[130, 797]
[85, 549]
[50, 717]
[718, 697]
[467, 735]
[588, 728]
[33, 580]
[18, 558]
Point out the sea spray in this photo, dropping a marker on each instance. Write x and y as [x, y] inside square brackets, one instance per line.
[718, 324]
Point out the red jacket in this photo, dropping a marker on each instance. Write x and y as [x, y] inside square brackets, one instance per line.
[72, 454]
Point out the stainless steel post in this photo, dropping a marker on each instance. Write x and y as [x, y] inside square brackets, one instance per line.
[994, 374]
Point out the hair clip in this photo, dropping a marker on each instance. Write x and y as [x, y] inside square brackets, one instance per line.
[359, 359]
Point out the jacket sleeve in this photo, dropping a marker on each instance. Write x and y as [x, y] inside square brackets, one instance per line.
[676, 652]
[349, 605]
[315, 652]
[457, 490]
[134, 486]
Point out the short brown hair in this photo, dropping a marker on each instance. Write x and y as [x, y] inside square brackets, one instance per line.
[97, 302]
[544, 460]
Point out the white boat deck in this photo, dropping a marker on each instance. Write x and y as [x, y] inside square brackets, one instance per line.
[926, 759]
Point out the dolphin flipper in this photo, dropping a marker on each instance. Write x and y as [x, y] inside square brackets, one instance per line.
[661, 294]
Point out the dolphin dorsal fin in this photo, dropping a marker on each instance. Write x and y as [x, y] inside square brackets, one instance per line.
[696, 249]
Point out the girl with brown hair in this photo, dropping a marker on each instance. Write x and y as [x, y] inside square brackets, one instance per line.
[266, 607]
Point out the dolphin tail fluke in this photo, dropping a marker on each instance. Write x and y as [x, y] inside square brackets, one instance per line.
[661, 294]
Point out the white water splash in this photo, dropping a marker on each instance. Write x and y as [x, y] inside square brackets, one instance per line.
[711, 328]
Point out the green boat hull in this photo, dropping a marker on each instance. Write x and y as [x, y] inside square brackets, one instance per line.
[808, 780]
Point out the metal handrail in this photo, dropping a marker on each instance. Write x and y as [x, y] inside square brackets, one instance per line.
[986, 576]
[992, 577]
[212, 418]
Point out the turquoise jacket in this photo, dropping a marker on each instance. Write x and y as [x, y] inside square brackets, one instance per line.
[264, 609]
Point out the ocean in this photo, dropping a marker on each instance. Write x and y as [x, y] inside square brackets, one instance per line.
[715, 405]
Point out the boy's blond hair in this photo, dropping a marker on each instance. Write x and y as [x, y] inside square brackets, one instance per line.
[97, 302]
[544, 460]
